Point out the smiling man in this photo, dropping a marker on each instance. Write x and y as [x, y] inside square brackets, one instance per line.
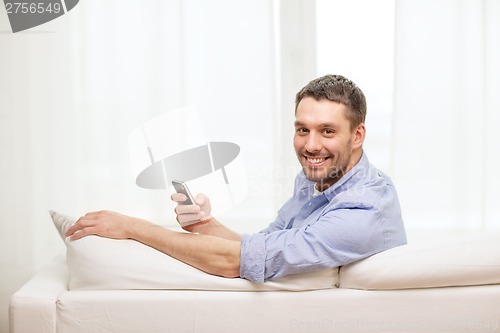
[342, 209]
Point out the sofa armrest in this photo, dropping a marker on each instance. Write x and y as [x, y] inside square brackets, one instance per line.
[33, 307]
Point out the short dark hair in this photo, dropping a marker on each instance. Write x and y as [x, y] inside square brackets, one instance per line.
[338, 89]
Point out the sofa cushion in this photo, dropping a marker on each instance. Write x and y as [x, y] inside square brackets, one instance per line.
[97, 263]
[453, 261]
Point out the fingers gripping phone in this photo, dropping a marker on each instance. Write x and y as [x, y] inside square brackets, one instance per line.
[181, 187]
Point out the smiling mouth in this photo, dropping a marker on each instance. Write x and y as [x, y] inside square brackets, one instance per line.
[315, 162]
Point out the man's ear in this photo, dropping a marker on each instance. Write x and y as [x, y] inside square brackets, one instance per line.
[359, 136]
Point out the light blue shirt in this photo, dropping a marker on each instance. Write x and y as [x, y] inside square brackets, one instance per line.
[353, 219]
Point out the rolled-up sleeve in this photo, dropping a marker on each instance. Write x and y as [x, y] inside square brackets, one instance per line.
[253, 257]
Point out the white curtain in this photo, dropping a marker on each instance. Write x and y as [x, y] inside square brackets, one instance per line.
[72, 90]
[445, 154]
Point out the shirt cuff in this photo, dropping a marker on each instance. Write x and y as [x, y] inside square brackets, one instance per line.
[253, 257]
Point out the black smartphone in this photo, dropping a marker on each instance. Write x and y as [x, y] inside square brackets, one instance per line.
[181, 187]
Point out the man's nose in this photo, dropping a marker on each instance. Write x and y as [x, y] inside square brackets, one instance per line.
[313, 143]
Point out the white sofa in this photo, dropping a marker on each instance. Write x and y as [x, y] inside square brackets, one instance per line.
[101, 285]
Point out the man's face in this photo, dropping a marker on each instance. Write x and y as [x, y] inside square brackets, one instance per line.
[325, 145]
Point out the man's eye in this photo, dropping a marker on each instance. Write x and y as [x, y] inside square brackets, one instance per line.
[328, 131]
[301, 130]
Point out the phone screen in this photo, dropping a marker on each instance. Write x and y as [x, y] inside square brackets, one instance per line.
[181, 187]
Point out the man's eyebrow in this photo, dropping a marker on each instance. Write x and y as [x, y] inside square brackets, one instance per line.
[328, 125]
[323, 125]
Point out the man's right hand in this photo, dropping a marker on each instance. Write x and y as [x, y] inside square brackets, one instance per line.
[192, 216]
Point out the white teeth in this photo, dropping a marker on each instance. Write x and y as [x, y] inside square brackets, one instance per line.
[315, 160]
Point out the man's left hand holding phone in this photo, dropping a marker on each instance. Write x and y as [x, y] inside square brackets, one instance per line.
[189, 210]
